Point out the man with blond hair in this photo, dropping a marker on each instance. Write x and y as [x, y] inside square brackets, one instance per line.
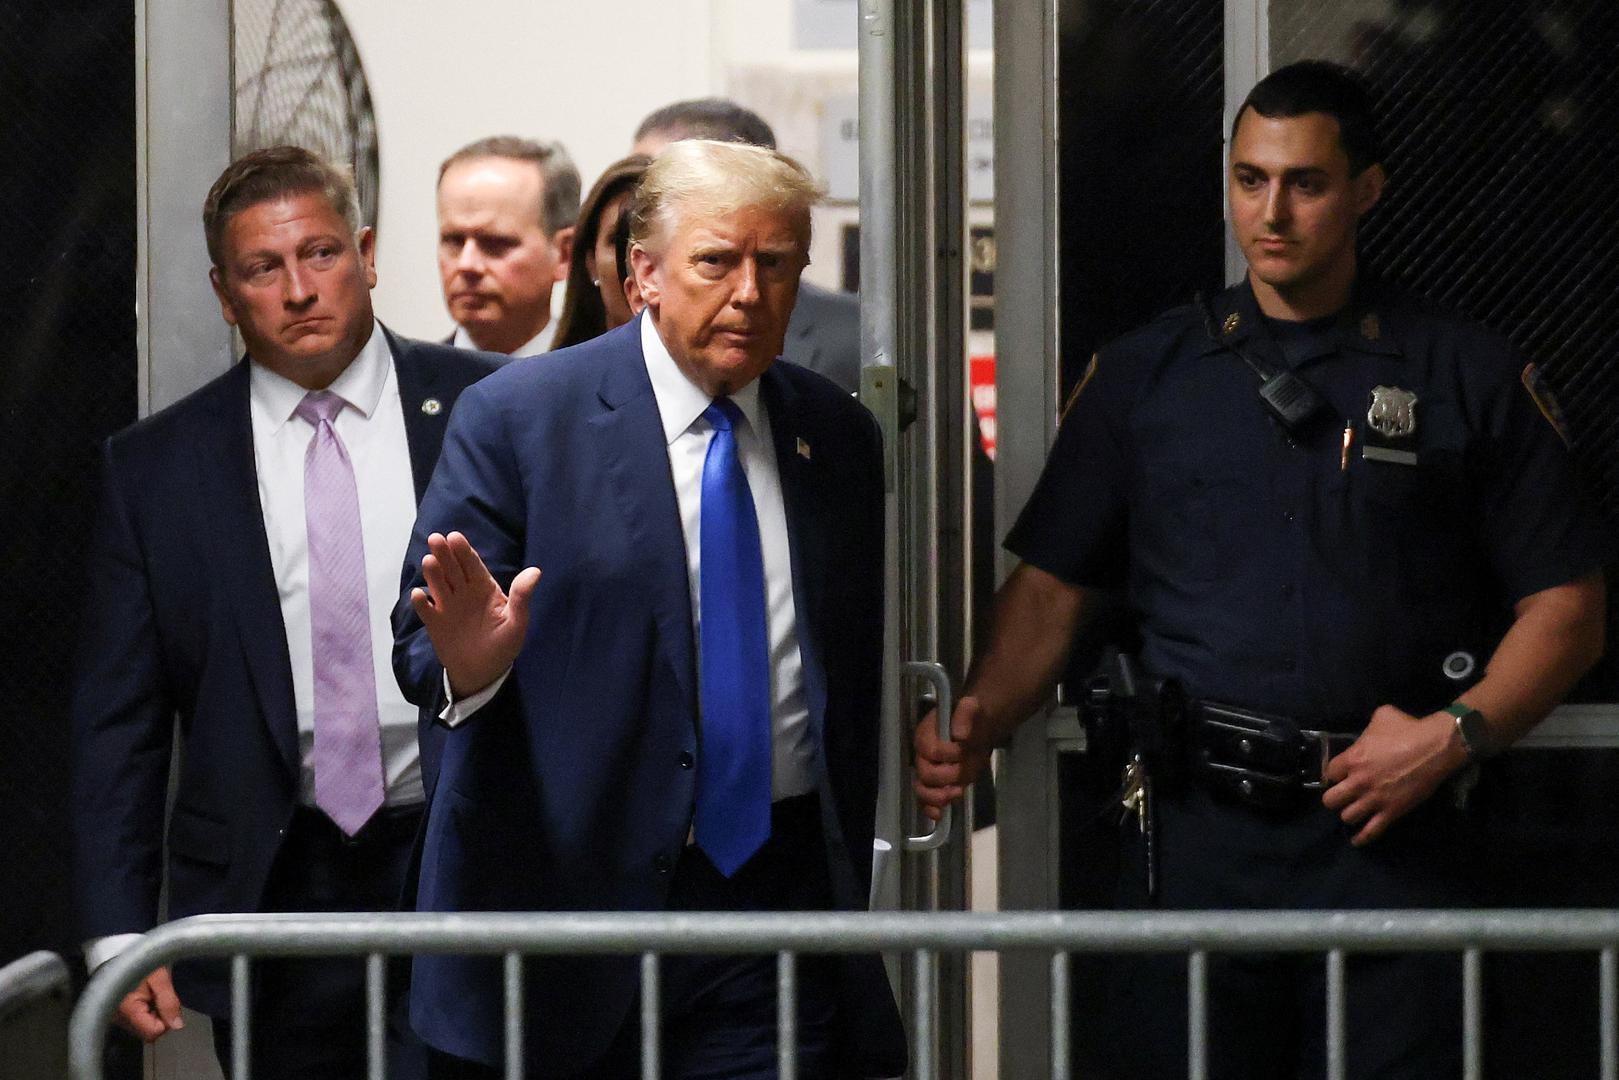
[647, 603]
[824, 334]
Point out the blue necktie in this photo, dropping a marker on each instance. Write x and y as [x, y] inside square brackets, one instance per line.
[733, 773]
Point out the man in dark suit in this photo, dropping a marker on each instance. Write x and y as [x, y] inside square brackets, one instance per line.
[682, 713]
[506, 210]
[824, 334]
[242, 577]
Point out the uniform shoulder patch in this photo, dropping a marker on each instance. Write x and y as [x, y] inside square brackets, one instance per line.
[1079, 387]
[1540, 392]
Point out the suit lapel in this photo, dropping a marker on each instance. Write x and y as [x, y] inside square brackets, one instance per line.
[793, 431]
[630, 443]
[425, 397]
[242, 552]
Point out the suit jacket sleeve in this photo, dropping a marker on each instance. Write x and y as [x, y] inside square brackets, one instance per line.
[476, 490]
[122, 728]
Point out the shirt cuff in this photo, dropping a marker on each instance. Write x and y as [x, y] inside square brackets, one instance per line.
[454, 712]
[98, 951]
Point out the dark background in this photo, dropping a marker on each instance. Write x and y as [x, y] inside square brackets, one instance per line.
[67, 350]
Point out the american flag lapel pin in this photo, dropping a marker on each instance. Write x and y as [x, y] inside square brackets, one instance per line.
[803, 449]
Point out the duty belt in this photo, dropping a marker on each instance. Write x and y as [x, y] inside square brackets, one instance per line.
[1262, 759]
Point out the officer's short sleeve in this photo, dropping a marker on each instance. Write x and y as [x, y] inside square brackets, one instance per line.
[1537, 527]
[1073, 526]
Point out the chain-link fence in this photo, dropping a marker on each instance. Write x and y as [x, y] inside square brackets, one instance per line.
[1501, 120]
[1501, 123]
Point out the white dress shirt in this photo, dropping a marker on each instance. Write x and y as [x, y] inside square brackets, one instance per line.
[535, 345]
[687, 435]
[372, 428]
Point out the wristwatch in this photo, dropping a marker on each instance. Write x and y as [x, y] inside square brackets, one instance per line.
[1473, 729]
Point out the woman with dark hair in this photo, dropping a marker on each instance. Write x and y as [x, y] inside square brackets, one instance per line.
[595, 302]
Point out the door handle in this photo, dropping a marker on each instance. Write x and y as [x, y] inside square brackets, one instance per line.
[935, 673]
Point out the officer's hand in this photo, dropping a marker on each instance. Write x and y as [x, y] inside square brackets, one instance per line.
[152, 1009]
[1396, 763]
[944, 769]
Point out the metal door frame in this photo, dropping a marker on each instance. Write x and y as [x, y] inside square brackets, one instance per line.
[913, 342]
[184, 106]
[185, 103]
[1027, 345]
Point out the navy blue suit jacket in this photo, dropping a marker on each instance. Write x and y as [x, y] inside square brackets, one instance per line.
[183, 619]
[572, 789]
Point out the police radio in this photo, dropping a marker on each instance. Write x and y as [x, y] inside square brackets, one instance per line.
[1291, 401]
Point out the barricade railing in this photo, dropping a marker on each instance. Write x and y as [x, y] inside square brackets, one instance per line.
[35, 1000]
[920, 935]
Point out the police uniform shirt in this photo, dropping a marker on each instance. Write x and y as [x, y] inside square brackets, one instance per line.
[1275, 572]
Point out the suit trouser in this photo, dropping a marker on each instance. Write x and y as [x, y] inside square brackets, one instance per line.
[719, 1015]
[1267, 1014]
[308, 1015]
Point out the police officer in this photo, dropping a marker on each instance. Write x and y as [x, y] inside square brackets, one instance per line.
[1346, 530]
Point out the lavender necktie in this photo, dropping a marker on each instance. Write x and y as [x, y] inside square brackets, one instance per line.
[348, 742]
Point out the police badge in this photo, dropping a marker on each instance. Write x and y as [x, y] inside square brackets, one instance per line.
[1391, 426]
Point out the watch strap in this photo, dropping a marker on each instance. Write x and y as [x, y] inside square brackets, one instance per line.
[1472, 729]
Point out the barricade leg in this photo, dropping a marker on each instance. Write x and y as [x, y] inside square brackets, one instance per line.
[1608, 997]
[376, 1022]
[927, 1061]
[1197, 1016]
[241, 1007]
[514, 1016]
[1335, 1015]
[1061, 1051]
[1472, 1015]
[651, 1004]
[786, 1016]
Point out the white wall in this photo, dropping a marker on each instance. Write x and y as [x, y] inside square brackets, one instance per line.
[444, 73]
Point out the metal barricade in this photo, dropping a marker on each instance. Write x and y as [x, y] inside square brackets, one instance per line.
[35, 1000]
[922, 936]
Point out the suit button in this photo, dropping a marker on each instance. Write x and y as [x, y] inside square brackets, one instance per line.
[663, 864]
[686, 760]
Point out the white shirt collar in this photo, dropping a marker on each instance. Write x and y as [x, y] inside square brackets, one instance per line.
[681, 401]
[535, 345]
[360, 385]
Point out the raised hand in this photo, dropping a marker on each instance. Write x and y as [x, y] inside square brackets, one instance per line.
[476, 628]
